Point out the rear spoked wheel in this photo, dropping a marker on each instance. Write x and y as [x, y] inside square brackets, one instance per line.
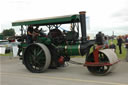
[37, 58]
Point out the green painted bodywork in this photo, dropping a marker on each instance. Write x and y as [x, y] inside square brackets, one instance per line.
[70, 50]
[73, 50]
[49, 21]
[23, 46]
[44, 40]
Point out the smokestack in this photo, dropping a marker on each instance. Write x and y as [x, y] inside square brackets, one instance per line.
[83, 25]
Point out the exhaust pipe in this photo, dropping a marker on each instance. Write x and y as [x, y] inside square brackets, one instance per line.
[83, 25]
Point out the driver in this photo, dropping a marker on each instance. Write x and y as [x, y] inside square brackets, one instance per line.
[30, 34]
[35, 33]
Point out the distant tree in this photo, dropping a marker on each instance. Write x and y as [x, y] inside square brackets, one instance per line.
[8, 32]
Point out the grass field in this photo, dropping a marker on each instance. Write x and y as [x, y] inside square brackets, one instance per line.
[7, 54]
[121, 56]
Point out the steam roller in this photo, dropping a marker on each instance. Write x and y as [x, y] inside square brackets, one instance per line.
[101, 62]
[53, 47]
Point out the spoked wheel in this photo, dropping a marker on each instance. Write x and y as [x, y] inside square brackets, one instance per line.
[99, 70]
[37, 58]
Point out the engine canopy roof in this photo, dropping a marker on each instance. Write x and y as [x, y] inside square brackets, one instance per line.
[49, 21]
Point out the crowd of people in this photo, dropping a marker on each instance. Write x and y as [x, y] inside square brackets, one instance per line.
[121, 41]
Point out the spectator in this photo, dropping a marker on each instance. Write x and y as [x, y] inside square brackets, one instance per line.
[88, 37]
[126, 45]
[112, 46]
[119, 43]
[106, 42]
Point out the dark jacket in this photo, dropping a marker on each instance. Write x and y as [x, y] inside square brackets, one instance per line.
[120, 41]
[126, 41]
[113, 46]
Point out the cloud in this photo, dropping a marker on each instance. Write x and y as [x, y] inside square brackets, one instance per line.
[118, 30]
[105, 15]
[121, 14]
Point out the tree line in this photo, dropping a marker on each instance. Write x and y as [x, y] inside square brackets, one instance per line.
[8, 32]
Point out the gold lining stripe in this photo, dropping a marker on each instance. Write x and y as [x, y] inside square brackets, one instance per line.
[66, 48]
[79, 49]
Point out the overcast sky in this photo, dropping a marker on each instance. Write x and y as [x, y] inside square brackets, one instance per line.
[105, 15]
